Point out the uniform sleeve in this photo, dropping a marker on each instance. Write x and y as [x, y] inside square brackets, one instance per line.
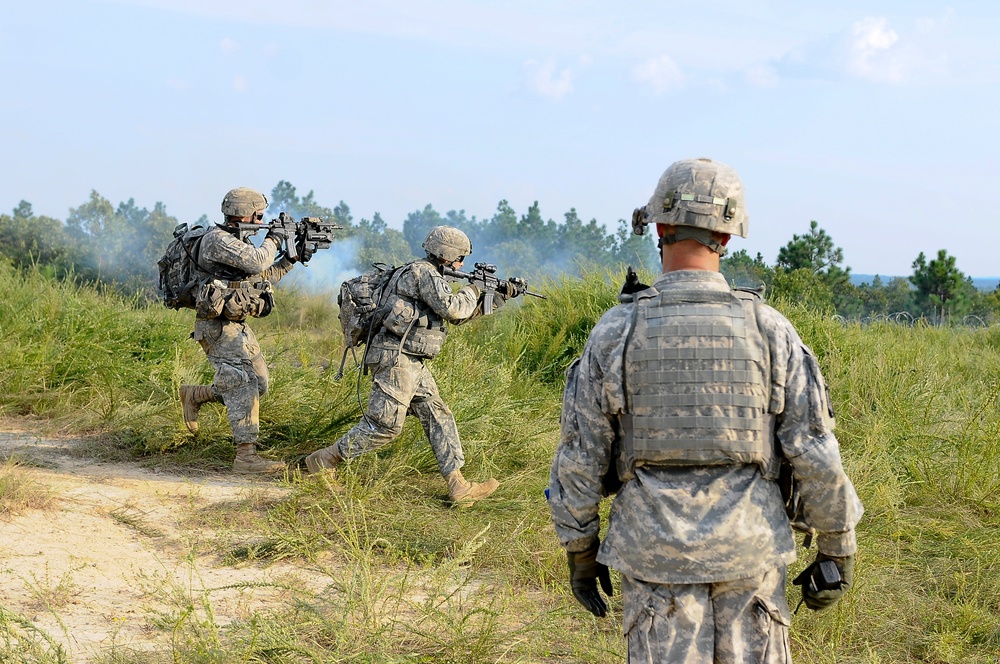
[436, 293]
[587, 434]
[804, 429]
[227, 249]
[277, 270]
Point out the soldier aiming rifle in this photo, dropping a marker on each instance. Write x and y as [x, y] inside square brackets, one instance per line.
[406, 327]
[302, 238]
[227, 280]
[485, 279]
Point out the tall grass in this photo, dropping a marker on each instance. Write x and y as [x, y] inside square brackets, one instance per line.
[413, 580]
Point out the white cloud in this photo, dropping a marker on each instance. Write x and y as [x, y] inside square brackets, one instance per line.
[240, 83]
[871, 53]
[548, 82]
[660, 73]
[761, 76]
[177, 84]
[228, 45]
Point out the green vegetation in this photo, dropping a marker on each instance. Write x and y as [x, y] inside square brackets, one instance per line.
[118, 247]
[810, 269]
[412, 580]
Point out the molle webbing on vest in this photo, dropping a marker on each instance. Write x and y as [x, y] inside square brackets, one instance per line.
[696, 379]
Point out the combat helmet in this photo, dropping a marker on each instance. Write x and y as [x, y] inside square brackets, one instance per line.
[243, 202]
[447, 243]
[696, 193]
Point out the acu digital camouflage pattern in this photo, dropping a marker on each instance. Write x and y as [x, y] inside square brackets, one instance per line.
[700, 193]
[745, 620]
[240, 371]
[243, 202]
[702, 550]
[447, 243]
[700, 524]
[402, 383]
[697, 382]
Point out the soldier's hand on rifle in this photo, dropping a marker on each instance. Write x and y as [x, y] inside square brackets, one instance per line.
[513, 287]
[584, 573]
[277, 234]
[304, 250]
[825, 581]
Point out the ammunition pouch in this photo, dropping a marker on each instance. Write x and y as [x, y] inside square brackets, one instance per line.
[210, 300]
[421, 332]
[234, 300]
[423, 342]
[401, 314]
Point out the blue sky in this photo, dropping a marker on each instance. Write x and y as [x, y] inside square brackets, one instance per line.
[878, 120]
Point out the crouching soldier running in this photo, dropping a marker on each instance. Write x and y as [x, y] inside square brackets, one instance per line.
[422, 302]
[236, 286]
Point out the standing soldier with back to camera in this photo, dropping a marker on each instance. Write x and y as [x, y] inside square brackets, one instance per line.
[237, 286]
[420, 301]
[685, 400]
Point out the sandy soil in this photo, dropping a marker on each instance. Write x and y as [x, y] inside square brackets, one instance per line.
[91, 568]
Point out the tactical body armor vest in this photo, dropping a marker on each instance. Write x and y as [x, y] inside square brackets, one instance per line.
[225, 292]
[421, 330]
[696, 374]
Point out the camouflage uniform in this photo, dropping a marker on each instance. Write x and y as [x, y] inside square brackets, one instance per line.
[231, 346]
[702, 549]
[402, 383]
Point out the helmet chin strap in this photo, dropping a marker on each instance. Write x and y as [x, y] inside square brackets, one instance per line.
[701, 235]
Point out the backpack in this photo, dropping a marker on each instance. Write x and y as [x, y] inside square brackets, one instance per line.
[359, 301]
[179, 271]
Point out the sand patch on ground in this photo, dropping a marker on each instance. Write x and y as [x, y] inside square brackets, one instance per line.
[117, 546]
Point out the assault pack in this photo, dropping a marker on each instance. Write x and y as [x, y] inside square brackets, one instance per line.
[360, 300]
[180, 274]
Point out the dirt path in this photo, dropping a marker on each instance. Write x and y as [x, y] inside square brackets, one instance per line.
[118, 541]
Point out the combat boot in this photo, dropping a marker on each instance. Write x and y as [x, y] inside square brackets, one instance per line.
[324, 459]
[192, 397]
[248, 461]
[463, 492]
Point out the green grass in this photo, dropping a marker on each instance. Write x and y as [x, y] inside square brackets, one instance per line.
[412, 580]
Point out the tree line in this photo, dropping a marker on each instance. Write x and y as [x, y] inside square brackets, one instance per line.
[99, 242]
[810, 269]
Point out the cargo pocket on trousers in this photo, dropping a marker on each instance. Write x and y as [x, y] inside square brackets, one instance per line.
[384, 411]
[229, 377]
[638, 612]
[769, 642]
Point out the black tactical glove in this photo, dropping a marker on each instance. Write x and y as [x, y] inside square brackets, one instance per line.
[513, 287]
[584, 572]
[825, 581]
[304, 250]
[277, 234]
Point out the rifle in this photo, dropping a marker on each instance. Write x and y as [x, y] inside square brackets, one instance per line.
[484, 276]
[303, 237]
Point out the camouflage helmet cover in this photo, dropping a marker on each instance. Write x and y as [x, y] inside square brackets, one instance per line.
[447, 243]
[243, 202]
[700, 193]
